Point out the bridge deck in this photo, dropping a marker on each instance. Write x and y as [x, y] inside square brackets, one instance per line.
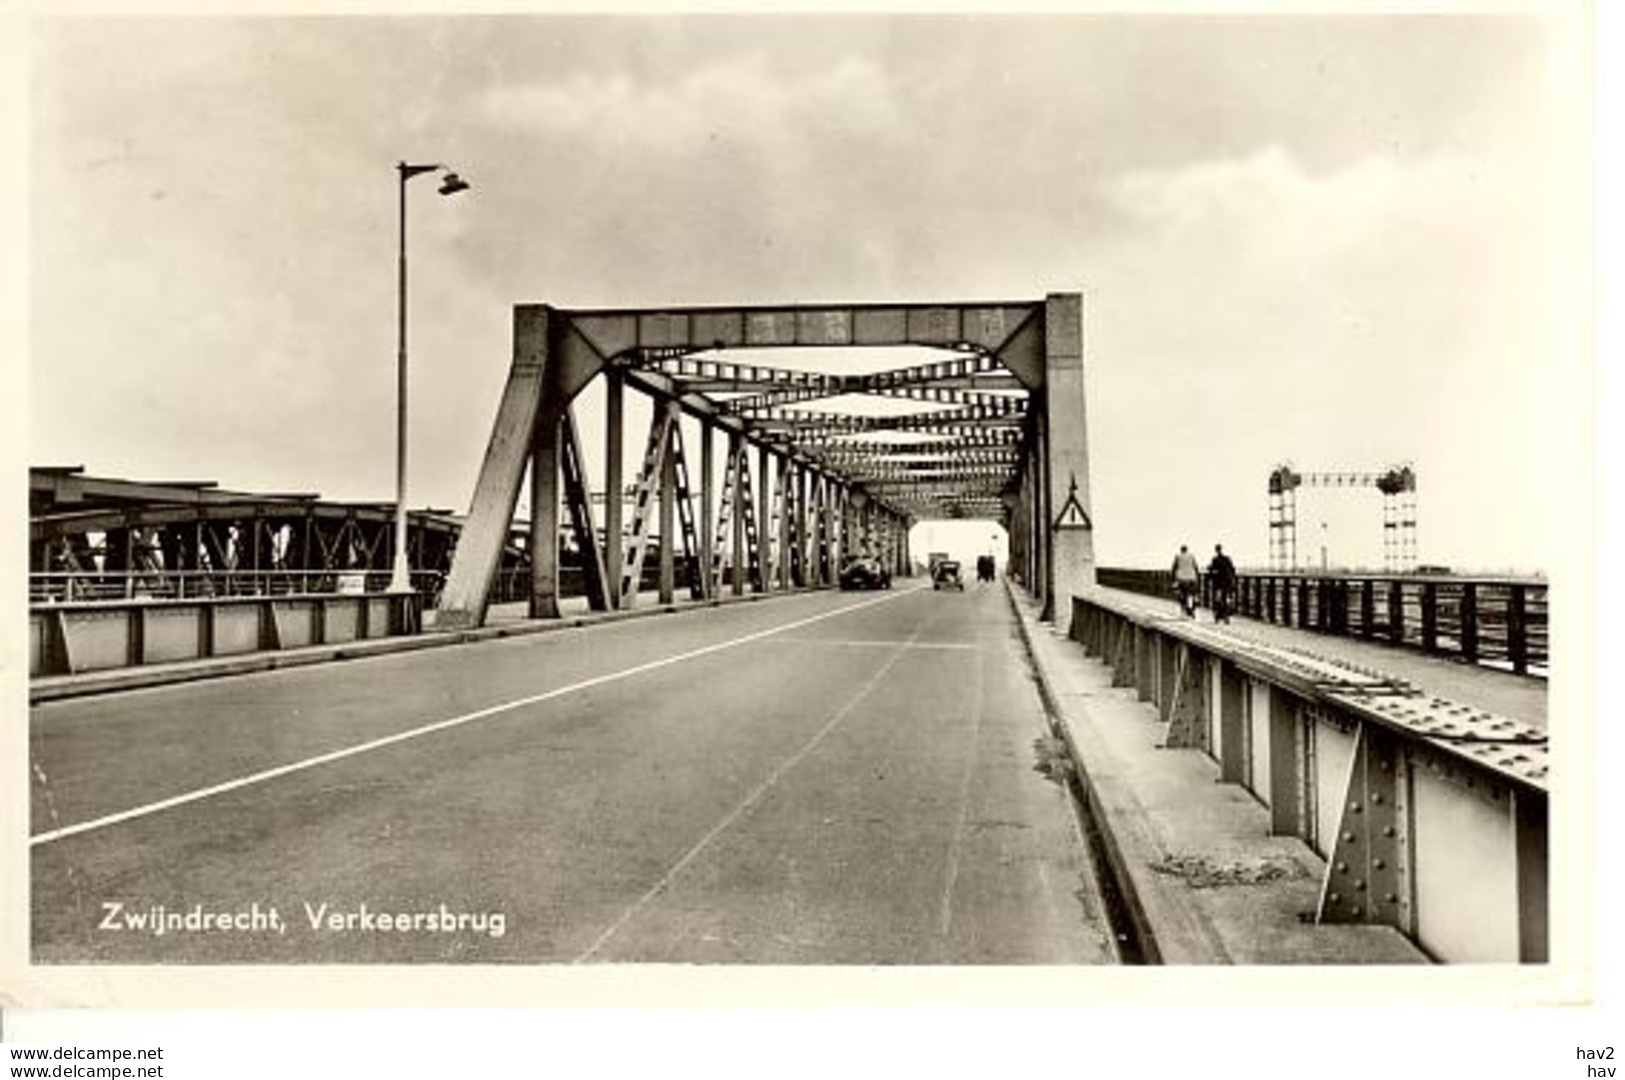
[828, 778]
[1516, 696]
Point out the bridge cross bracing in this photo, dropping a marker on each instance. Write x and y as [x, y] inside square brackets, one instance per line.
[817, 465]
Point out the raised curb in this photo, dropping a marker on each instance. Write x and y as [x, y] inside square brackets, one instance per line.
[1170, 930]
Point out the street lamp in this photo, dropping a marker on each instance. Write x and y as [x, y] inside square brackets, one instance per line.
[400, 579]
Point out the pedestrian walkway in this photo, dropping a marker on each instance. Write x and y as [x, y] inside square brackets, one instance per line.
[1519, 697]
[1208, 883]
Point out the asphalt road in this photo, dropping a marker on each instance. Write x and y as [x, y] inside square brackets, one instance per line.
[823, 779]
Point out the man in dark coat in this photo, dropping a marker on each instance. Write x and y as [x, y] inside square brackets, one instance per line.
[1221, 573]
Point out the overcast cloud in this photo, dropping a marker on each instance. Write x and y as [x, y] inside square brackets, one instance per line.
[1323, 240]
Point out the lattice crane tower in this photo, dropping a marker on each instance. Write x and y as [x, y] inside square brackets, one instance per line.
[1398, 487]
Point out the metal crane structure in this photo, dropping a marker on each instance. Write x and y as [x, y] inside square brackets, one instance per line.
[991, 428]
[1398, 487]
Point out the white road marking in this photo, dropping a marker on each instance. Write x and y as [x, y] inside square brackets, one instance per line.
[957, 846]
[439, 725]
[844, 643]
[738, 811]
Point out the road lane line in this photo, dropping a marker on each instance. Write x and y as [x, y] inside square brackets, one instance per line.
[956, 846]
[738, 811]
[437, 726]
[844, 643]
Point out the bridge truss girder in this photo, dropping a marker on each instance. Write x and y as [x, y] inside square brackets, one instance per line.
[990, 430]
[100, 525]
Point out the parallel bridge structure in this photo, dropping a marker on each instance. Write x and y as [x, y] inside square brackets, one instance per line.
[95, 537]
[993, 430]
[127, 573]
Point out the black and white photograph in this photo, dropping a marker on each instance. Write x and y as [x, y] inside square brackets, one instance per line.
[950, 495]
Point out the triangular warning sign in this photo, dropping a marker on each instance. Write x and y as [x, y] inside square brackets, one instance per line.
[1072, 515]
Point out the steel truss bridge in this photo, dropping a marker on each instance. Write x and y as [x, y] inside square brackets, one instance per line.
[1430, 815]
[993, 430]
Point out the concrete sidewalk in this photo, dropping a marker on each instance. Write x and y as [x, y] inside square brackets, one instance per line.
[1203, 878]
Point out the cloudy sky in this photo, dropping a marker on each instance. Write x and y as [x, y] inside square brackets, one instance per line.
[1334, 241]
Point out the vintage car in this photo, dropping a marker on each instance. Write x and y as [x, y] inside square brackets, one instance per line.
[863, 572]
[946, 576]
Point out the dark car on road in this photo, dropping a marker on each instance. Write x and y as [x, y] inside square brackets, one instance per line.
[946, 576]
[863, 572]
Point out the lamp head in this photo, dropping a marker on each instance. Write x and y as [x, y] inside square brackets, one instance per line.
[452, 184]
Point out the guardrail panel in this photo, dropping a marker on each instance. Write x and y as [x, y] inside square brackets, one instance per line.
[236, 629]
[97, 640]
[295, 623]
[39, 637]
[1466, 875]
[170, 633]
[1258, 739]
[1333, 760]
[378, 615]
[341, 619]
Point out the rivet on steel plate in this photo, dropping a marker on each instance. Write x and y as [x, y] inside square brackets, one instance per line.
[1378, 864]
[1388, 830]
[1342, 868]
[1348, 838]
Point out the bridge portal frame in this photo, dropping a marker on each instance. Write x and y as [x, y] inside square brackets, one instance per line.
[558, 352]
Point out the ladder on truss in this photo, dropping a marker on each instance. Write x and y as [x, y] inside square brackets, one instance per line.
[685, 514]
[665, 437]
[722, 538]
[736, 476]
[654, 457]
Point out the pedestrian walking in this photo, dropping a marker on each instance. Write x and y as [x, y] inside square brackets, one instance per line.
[1187, 579]
[1221, 575]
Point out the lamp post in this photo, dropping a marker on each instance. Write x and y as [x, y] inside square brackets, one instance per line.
[400, 579]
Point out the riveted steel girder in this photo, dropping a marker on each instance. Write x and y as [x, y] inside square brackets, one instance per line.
[673, 332]
[824, 480]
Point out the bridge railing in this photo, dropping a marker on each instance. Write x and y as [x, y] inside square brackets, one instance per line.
[1431, 816]
[93, 586]
[90, 586]
[1498, 622]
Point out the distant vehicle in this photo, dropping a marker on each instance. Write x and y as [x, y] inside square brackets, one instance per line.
[863, 572]
[946, 576]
